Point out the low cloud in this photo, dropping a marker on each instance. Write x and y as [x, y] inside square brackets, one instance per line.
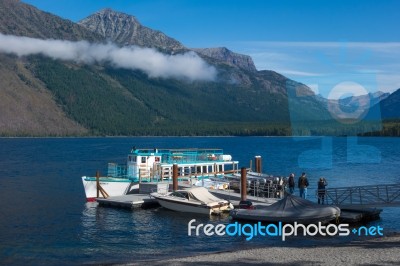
[153, 63]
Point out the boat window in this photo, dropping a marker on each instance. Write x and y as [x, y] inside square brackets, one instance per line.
[210, 169]
[143, 159]
[204, 169]
[220, 168]
[193, 170]
[180, 194]
[180, 171]
[187, 170]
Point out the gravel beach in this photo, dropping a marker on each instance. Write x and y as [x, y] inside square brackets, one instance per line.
[377, 251]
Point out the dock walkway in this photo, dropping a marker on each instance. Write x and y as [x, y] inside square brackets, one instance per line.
[129, 201]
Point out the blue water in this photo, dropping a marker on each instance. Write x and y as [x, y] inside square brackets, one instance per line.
[44, 218]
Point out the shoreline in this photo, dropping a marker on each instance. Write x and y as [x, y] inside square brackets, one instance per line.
[383, 250]
[187, 136]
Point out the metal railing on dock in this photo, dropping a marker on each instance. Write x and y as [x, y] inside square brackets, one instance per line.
[369, 196]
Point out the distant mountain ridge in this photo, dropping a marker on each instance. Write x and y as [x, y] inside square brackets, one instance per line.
[366, 100]
[390, 106]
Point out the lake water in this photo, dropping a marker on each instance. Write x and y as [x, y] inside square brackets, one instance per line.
[46, 220]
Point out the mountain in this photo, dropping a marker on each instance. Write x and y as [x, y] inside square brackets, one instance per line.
[389, 107]
[44, 96]
[17, 18]
[27, 107]
[363, 101]
[126, 30]
[225, 55]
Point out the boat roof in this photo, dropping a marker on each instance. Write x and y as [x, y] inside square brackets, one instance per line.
[187, 151]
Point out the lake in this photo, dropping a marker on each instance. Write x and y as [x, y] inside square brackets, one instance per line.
[46, 220]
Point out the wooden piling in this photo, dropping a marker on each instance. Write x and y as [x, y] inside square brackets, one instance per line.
[175, 177]
[97, 184]
[258, 164]
[99, 188]
[243, 183]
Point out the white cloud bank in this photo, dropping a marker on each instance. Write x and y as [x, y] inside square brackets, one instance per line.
[153, 63]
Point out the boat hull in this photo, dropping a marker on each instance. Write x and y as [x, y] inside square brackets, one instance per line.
[179, 207]
[113, 187]
[190, 205]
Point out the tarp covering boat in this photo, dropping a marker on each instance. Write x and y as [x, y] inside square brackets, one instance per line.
[201, 194]
[290, 209]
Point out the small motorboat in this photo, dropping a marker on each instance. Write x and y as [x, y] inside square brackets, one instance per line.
[290, 209]
[193, 200]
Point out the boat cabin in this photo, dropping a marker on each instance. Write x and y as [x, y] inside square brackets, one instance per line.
[156, 164]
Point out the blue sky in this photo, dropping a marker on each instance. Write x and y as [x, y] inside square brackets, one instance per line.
[320, 43]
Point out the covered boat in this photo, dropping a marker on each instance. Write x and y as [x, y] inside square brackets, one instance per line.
[193, 200]
[290, 209]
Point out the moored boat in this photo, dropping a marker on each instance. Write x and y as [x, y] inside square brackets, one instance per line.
[154, 165]
[192, 200]
[290, 209]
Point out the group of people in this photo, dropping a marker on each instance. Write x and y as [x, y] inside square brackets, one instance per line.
[303, 184]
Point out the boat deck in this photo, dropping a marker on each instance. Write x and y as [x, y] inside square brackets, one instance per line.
[234, 197]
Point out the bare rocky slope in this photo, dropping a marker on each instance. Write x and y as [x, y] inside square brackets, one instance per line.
[27, 108]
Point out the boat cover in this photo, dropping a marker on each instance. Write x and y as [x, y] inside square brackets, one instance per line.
[289, 209]
[202, 194]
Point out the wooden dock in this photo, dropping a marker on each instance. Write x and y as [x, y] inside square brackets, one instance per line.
[129, 201]
[137, 198]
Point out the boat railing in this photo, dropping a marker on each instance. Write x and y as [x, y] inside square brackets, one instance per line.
[117, 170]
[268, 189]
[191, 158]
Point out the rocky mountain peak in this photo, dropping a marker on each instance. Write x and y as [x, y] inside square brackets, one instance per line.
[227, 56]
[20, 19]
[125, 29]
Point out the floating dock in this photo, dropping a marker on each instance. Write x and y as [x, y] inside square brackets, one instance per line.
[359, 214]
[129, 201]
[138, 198]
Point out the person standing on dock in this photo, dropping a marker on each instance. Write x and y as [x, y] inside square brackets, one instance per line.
[303, 184]
[291, 183]
[322, 183]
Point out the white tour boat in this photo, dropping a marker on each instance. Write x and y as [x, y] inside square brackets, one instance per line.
[154, 165]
